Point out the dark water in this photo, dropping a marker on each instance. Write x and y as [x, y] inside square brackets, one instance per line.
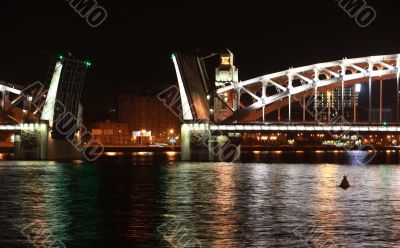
[146, 200]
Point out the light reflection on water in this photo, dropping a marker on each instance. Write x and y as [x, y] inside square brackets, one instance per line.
[120, 201]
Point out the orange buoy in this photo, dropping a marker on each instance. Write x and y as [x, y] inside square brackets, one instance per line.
[345, 183]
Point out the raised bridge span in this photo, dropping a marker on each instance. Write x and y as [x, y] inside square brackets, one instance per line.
[44, 120]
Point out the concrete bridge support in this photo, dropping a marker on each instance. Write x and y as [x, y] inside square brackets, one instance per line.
[200, 143]
[31, 143]
[34, 142]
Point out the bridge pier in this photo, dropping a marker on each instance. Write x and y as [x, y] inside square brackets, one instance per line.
[31, 143]
[380, 102]
[398, 97]
[200, 143]
[34, 142]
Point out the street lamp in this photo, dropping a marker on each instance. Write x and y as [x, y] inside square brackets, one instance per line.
[171, 138]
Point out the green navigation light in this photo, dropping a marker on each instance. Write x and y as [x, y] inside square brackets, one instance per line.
[87, 63]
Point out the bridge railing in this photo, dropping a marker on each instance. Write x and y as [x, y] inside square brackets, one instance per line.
[322, 123]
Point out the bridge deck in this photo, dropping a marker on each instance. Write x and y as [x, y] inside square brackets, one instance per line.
[362, 127]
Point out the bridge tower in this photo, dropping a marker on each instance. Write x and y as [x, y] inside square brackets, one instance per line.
[226, 74]
[202, 106]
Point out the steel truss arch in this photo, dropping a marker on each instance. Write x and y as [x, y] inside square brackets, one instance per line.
[345, 72]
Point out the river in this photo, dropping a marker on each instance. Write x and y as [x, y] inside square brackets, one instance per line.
[270, 199]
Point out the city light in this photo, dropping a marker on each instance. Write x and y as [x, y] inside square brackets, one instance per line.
[358, 88]
[111, 154]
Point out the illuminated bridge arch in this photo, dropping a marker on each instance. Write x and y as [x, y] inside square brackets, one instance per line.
[295, 84]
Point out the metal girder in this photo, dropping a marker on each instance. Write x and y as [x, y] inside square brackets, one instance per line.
[277, 85]
[252, 95]
[336, 70]
[334, 74]
[310, 81]
[358, 68]
[9, 89]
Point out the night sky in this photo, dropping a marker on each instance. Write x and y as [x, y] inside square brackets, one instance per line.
[132, 48]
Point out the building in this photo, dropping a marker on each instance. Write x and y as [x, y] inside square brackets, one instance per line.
[329, 104]
[143, 111]
[111, 133]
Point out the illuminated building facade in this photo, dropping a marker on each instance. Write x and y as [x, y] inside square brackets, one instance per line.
[147, 113]
[111, 133]
[329, 104]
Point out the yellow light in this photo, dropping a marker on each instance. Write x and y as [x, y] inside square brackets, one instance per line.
[78, 162]
[273, 138]
[171, 131]
[171, 154]
[144, 153]
[225, 60]
[111, 154]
